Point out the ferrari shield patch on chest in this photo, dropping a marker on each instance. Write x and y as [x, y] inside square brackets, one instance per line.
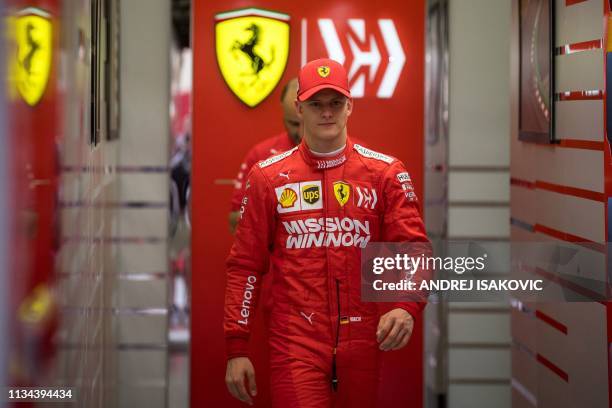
[342, 192]
[252, 48]
[32, 32]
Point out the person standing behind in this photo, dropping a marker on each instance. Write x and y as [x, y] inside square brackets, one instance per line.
[268, 147]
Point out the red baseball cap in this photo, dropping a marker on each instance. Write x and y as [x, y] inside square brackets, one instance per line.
[321, 74]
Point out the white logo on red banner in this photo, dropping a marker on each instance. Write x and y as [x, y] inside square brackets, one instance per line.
[369, 58]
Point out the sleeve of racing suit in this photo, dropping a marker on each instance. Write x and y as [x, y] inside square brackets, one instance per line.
[248, 261]
[402, 220]
[249, 160]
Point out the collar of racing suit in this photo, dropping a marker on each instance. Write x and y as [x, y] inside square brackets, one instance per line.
[322, 163]
[329, 154]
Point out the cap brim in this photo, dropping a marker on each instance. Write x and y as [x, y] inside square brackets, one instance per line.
[307, 94]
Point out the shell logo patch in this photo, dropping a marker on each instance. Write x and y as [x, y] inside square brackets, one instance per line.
[323, 71]
[288, 198]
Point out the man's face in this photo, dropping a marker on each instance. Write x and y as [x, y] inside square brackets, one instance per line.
[325, 114]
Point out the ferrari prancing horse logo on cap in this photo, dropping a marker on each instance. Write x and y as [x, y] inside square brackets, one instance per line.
[323, 71]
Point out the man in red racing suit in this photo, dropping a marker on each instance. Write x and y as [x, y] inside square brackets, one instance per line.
[308, 215]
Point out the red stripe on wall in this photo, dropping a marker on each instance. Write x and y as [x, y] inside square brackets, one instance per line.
[558, 188]
[522, 183]
[575, 239]
[572, 191]
[581, 144]
[555, 369]
[551, 321]
[577, 47]
[572, 2]
[579, 95]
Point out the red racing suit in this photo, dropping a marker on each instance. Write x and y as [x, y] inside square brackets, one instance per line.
[261, 151]
[305, 219]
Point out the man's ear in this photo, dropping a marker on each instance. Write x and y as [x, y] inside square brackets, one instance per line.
[349, 106]
[298, 108]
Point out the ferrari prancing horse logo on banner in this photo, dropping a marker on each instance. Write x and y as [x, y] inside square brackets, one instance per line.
[32, 33]
[252, 51]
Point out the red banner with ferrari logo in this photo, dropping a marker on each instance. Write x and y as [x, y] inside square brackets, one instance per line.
[243, 55]
[34, 102]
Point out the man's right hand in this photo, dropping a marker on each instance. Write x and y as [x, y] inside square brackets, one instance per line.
[237, 369]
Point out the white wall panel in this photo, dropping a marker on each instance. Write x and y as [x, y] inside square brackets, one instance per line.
[490, 328]
[146, 35]
[581, 71]
[578, 168]
[144, 396]
[143, 222]
[478, 222]
[561, 212]
[142, 367]
[142, 329]
[479, 78]
[578, 22]
[142, 294]
[478, 364]
[479, 131]
[581, 120]
[479, 186]
[145, 82]
[145, 258]
[479, 396]
[144, 187]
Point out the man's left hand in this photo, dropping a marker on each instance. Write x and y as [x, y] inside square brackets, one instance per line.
[395, 328]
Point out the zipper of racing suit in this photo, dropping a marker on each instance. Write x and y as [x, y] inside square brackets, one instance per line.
[334, 380]
[334, 373]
